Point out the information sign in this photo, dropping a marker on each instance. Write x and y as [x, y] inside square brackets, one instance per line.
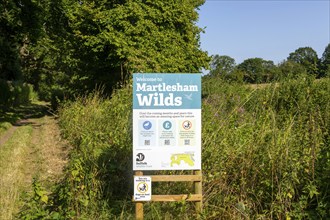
[166, 121]
[142, 188]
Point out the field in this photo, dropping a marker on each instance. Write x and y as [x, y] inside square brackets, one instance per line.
[265, 155]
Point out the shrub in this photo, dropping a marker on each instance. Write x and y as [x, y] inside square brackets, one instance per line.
[16, 93]
[265, 154]
[100, 131]
[5, 92]
[57, 96]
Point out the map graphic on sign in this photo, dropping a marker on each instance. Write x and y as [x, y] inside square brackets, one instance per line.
[166, 121]
[177, 159]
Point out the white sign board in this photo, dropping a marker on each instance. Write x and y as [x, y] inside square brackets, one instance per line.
[166, 121]
[142, 188]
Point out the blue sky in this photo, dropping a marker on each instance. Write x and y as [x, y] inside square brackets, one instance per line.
[267, 29]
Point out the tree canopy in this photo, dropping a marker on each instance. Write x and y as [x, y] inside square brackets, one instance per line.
[136, 36]
[302, 61]
[19, 25]
[307, 57]
[257, 70]
[291, 69]
[325, 62]
[79, 44]
[222, 65]
[72, 46]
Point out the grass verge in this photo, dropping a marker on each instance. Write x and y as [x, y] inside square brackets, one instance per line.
[12, 170]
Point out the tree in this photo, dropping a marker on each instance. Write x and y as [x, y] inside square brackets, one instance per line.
[222, 65]
[20, 25]
[307, 57]
[51, 62]
[258, 70]
[113, 39]
[291, 69]
[86, 43]
[325, 62]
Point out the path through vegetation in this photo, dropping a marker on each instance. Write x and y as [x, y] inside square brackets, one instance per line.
[30, 149]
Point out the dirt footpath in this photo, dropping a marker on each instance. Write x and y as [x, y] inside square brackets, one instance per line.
[32, 148]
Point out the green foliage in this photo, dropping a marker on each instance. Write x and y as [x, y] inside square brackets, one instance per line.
[16, 93]
[101, 158]
[35, 208]
[20, 25]
[266, 151]
[5, 92]
[222, 65]
[265, 154]
[325, 62]
[257, 70]
[57, 96]
[291, 70]
[21, 93]
[307, 57]
[89, 43]
[4, 126]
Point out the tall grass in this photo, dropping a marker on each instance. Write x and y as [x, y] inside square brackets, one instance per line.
[100, 169]
[265, 154]
[12, 181]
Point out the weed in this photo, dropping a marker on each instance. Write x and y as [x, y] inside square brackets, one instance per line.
[265, 154]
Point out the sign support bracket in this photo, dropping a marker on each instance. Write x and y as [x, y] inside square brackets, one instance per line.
[197, 197]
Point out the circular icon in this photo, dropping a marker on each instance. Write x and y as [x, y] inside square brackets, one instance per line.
[167, 125]
[186, 125]
[142, 187]
[140, 157]
[147, 125]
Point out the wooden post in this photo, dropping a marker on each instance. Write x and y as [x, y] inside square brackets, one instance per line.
[139, 210]
[197, 197]
[198, 190]
[139, 205]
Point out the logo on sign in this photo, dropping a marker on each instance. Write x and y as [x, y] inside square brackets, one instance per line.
[140, 157]
[147, 125]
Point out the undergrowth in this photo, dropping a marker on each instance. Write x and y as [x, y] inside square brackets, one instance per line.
[265, 155]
